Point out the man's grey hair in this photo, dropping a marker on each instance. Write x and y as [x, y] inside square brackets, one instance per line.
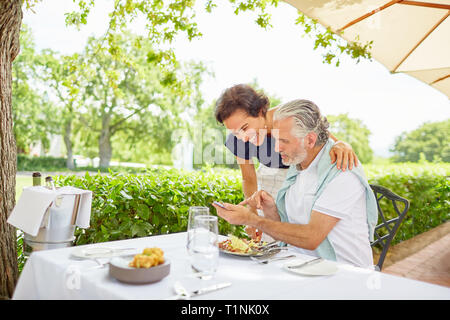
[307, 118]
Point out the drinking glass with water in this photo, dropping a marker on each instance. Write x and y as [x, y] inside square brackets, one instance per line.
[193, 212]
[204, 250]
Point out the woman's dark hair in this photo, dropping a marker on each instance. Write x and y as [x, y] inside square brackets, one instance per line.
[241, 97]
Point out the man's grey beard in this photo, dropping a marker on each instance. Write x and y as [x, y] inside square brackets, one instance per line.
[299, 158]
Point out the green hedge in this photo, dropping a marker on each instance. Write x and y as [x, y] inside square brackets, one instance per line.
[128, 205]
[26, 163]
[157, 202]
[47, 164]
[425, 185]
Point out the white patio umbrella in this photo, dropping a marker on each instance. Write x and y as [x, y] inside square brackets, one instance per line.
[411, 37]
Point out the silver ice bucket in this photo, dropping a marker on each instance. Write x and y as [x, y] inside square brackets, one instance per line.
[58, 226]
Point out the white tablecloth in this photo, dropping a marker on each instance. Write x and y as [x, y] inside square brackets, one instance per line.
[54, 274]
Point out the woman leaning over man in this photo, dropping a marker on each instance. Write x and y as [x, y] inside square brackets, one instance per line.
[245, 112]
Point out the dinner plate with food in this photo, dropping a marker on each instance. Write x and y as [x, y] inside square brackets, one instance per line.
[235, 246]
[146, 267]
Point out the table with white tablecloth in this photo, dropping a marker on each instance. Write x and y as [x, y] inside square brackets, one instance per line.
[55, 274]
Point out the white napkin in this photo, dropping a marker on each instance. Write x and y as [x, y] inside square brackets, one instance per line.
[84, 211]
[28, 214]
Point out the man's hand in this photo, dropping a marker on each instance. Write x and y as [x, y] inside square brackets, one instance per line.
[263, 201]
[235, 214]
[342, 153]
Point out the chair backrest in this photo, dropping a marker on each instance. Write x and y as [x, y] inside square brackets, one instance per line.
[391, 225]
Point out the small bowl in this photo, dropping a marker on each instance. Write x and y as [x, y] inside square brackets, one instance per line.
[119, 269]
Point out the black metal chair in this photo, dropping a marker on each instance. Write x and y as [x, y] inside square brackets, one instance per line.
[391, 225]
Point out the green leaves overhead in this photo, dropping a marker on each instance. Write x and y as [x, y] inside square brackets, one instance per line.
[259, 6]
[164, 20]
[331, 43]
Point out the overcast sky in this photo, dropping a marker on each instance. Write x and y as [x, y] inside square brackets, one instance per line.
[283, 62]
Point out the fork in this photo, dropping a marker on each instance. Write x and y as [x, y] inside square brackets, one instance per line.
[269, 246]
[268, 252]
[272, 259]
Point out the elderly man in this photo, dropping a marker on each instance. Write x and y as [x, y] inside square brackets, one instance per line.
[320, 210]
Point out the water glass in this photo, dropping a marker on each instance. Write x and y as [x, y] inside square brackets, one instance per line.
[193, 212]
[204, 250]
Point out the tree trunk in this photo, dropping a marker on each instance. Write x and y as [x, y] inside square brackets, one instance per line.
[10, 21]
[105, 149]
[104, 142]
[68, 143]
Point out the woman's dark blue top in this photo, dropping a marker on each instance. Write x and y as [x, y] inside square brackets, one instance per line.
[265, 153]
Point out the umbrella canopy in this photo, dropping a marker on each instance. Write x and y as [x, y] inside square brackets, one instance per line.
[411, 37]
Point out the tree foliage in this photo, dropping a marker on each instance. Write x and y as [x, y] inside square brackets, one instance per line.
[167, 19]
[334, 46]
[33, 111]
[130, 95]
[62, 78]
[354, 132]
[86, 95]
[431, 141]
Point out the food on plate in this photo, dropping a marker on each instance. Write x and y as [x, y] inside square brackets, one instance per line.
[235, 244]
[149, 257]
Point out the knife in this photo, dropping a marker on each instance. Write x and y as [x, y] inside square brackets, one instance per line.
[307, 263]
[182, 293]
[210, 288]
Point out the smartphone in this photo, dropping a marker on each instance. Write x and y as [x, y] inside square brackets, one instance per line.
[220, 205]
